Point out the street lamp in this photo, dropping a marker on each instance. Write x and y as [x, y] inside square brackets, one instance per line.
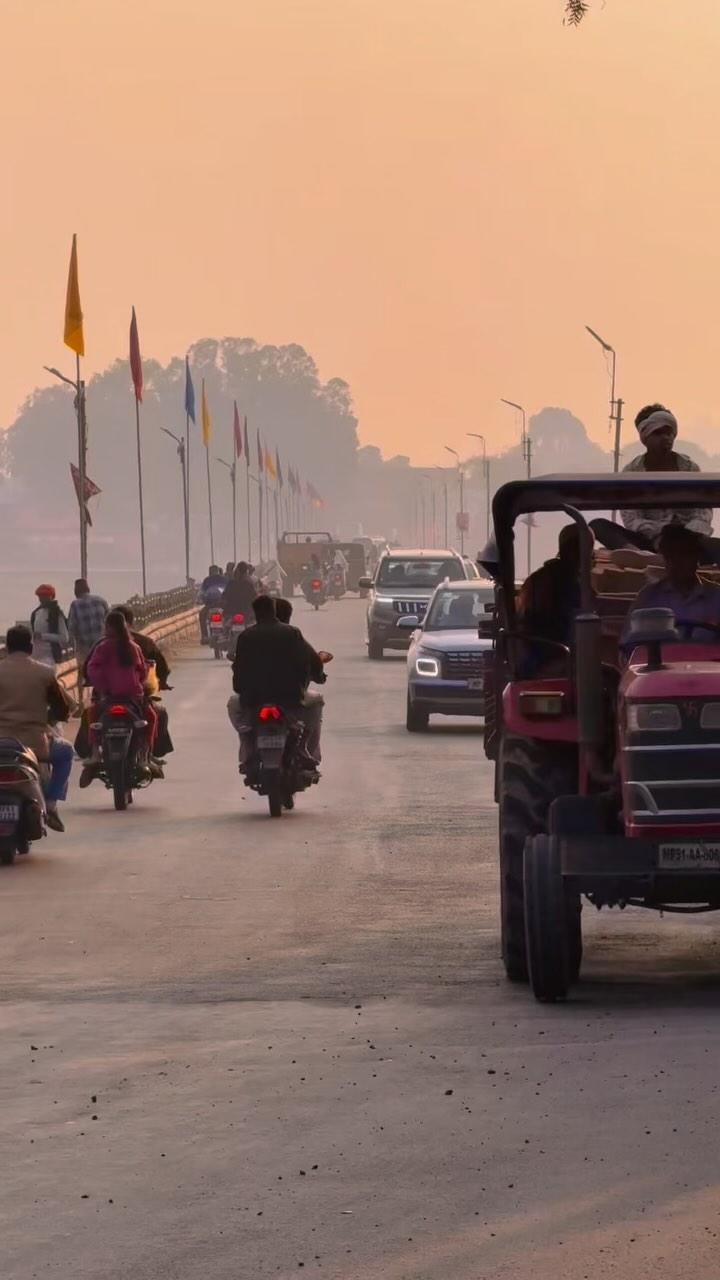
[233, 478]
[486, 474]
[79, 387]
[461, 478]
[616, 406]
[445, 495]
[186, 515]
[527, 455]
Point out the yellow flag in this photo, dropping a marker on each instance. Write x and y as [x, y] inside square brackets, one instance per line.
[74, 337]
[270, 465]
[205, 418]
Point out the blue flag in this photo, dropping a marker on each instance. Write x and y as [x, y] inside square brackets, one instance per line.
[189, 392]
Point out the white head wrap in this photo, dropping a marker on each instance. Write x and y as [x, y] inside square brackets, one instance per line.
[661, 418]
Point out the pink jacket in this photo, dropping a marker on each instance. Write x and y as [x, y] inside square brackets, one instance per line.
[109, 678]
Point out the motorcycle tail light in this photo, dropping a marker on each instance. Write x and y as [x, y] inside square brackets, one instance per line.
[316, 584]
[10, 777]
[269, 713]
[117, 711]
[216, 617]
[239, 619]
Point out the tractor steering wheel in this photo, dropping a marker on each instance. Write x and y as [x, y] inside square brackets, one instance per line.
[691, 624]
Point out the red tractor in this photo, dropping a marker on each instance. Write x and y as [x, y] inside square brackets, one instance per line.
[607, 761]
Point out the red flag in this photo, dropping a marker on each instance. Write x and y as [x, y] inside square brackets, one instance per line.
[237, 433]
[135, 360]
[91, 489]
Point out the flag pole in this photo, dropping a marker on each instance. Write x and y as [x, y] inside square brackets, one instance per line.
[140, 496]
[186, 485]
[82, 459]
[234, 485]
[260, 521]
[210, 506]
[249, 520]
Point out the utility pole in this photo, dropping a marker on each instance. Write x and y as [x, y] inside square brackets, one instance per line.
[461, 480]
[616, 406]
[526, 444]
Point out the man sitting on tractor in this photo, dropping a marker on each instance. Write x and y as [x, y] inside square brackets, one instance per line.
[691, 598]
[549, 600]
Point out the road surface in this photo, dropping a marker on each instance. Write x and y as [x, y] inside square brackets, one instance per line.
[235, 1047]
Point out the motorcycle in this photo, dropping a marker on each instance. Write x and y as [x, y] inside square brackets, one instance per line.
[22, 805]
[278, 764]
[123, 763]
[337, 584]
[236, 625]
[314, 591]
[218, 638]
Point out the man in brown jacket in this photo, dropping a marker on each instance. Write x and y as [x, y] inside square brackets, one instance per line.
[31, 697]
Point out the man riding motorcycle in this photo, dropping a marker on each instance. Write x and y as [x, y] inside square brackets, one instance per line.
[211, 594]
[32, 701]
[273, 665]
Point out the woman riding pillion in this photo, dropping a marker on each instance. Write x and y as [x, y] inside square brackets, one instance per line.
[117, 670]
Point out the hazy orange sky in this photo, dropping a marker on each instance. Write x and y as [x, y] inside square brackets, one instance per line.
[432, 196]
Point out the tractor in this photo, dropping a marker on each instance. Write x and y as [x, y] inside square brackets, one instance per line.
[607, 756]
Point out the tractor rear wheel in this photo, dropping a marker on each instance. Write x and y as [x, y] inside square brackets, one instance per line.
[530, 775]
[552, 921]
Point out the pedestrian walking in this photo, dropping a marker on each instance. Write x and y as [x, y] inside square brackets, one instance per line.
[86, 624]
[48, 624]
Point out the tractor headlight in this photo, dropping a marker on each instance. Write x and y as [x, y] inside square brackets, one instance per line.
[653, 717]
[426, 664]
[710, 716]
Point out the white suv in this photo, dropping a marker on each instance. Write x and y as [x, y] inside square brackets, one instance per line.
[400, 591]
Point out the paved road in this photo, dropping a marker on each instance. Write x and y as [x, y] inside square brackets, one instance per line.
[234, 1048]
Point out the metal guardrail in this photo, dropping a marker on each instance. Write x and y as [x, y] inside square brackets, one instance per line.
[148, 609]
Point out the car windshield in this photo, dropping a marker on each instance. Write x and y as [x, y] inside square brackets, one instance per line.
[407, 574]
[458, 610]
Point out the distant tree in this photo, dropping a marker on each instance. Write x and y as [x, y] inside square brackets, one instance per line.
[575, 11]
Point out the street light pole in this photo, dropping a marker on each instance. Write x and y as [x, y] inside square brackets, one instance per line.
[486, 477]
[233, 478]
[186, 514]
[527, 456]
[445, 497]
[461, 479]
[616, 405]
[79, 388]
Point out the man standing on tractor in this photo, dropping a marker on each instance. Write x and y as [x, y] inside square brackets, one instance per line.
[658, 428]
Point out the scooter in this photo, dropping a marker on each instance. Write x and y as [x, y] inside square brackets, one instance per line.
[22, 805]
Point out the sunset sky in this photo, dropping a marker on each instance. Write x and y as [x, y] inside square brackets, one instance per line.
[432, 196]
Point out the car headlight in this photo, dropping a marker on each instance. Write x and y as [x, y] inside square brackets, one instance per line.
[659, 717]
[383, 599]
[426, 664]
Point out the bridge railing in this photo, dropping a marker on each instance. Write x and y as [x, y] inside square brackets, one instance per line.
[157, 607]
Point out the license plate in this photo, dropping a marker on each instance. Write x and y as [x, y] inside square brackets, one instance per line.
[271, 741]
[9, 812]
[689, 857]
[475, 683]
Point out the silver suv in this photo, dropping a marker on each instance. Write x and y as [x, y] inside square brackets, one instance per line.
[403, 584]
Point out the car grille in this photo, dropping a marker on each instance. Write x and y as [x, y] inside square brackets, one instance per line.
[463, 664]
[417, 607]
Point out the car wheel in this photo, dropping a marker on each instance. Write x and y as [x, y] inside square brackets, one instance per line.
[416, 721]
[375, 649]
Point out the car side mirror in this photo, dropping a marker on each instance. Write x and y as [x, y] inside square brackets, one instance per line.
[408, 622]
[365, 583]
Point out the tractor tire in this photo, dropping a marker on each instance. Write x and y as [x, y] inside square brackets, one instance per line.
[530, 774]
[552, 921]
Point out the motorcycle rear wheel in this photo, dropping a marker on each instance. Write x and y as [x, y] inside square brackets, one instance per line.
[119, 784]
[8, 849]
[275, 802]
